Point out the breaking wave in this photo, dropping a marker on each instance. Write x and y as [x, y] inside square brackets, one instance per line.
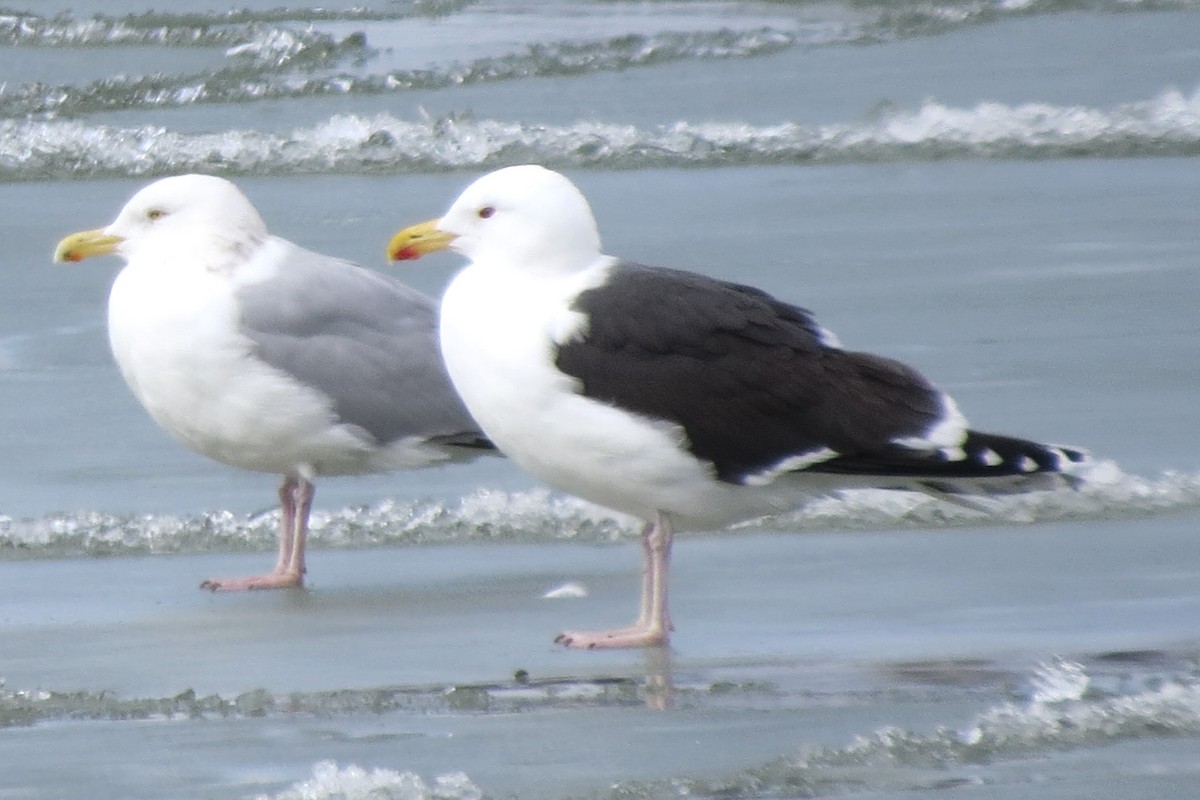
[282, 54]
[355, 783]
[1166, 125]
[193, 28]
[1066, 705]
[870, 22]
[280, 64]
[541, 516]
[24, 707]
[1076, 713]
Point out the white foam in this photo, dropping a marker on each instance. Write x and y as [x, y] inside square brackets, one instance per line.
[275, 46]
[1104, 491]
[329, 781]
[1058, 681]
[1168, 123]
[543, 516]
[1062, 713]
[1067, 717]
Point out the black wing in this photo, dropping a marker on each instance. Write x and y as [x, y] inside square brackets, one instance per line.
[751, 380]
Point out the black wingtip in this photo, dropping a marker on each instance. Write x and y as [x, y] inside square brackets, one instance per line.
[984, 463]
[990, 454]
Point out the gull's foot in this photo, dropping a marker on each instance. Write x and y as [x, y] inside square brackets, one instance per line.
[633, 636]
[276, 580]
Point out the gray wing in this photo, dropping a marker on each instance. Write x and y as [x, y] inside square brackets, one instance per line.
[367, 341]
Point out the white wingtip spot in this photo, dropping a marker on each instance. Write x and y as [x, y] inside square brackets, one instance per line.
[1027, 464]
[953, 453]
[1066, 461]
[990, 458]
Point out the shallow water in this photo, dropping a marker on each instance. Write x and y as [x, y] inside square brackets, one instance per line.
[966, 186]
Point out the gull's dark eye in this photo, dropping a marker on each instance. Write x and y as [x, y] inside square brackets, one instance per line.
[155, 213]
[486, 212]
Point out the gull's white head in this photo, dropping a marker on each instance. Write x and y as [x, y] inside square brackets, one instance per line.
[525, 217]
[194, 215]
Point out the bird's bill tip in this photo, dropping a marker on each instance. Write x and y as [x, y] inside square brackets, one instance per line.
[418, 240]
[85, 244]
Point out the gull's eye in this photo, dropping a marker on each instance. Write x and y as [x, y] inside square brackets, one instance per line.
[486, 212]
[155, 213]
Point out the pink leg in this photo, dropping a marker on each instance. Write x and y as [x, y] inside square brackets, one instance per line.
[287, 523]
[302, 498]
[654, 621]
[295, 502]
